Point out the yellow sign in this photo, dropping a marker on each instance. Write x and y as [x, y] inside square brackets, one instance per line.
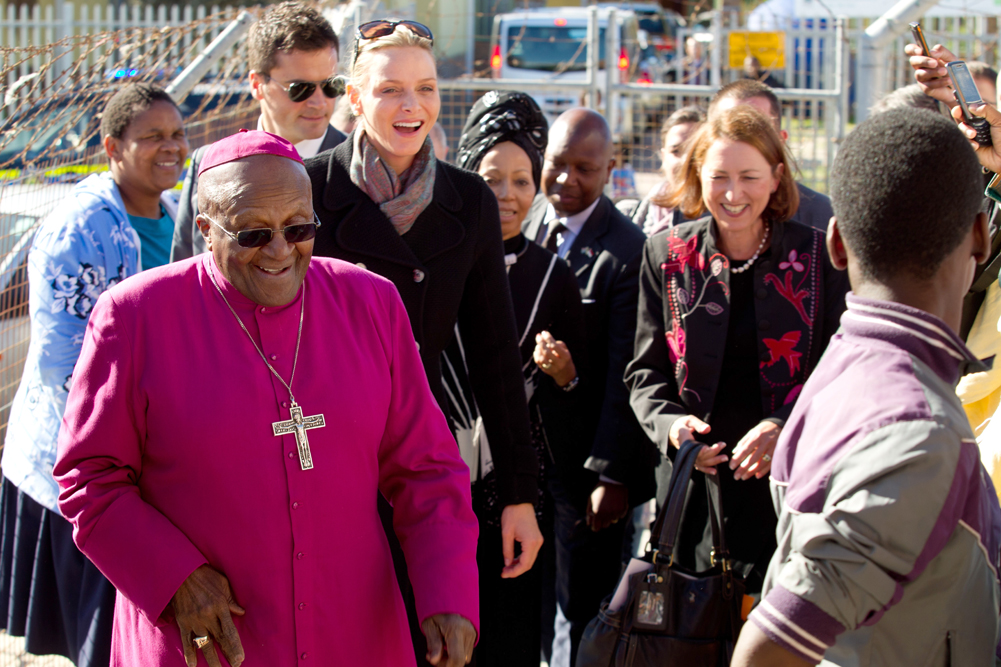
[768, 47]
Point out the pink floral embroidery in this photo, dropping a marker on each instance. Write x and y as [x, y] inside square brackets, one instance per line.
[792, 263]
[683, 253]
[794, 296]
[676, 344]
[784, 348]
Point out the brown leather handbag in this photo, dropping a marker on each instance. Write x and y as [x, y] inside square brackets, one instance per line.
[673, 616]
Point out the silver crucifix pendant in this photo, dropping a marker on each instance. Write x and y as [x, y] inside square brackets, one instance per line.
[299, 425]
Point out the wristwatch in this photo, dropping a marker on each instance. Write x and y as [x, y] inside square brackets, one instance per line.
[570, 385]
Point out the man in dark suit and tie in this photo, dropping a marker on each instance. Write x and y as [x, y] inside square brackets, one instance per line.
[610, 465]
[292, 53]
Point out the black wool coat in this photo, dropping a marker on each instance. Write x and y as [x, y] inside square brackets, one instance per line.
[448, 268]
[605, 258]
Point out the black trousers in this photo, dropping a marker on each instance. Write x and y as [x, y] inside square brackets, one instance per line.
[588, 565]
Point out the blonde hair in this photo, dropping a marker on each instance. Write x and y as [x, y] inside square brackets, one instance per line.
[747, 125]
[400, 37]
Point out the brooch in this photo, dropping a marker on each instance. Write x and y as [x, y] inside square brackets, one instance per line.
[586, 250]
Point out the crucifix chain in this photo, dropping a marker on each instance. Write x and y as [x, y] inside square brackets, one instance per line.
[298, 340]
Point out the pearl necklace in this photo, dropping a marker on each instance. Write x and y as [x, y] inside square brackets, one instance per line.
[754, 257]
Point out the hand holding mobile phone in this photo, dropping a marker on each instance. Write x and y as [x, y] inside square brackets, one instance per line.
[967, 95]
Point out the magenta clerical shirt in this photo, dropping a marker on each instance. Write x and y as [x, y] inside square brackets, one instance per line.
[167, 461]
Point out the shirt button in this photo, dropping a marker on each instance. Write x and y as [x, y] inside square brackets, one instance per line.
[284, 404]
[291, 455]
[273, 357]
[299, 555]
[764, 325]
[418, 276]
[361, 265]
[263, 309]
[295, 505]
[302, 605]
[304, 656]
[762, 293]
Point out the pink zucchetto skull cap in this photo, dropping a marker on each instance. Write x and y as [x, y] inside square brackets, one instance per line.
[244, 144]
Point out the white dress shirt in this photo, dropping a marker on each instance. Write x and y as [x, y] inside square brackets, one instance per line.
[574, 223]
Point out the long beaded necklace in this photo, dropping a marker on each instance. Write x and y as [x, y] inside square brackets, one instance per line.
[746, 265]
[298, 424]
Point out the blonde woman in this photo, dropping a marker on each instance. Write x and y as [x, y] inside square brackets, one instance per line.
[386, 203]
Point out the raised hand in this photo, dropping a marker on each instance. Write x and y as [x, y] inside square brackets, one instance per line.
[930, 72]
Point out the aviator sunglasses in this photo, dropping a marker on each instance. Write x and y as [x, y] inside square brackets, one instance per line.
[261, 236]
[384, 28]
[299, 91]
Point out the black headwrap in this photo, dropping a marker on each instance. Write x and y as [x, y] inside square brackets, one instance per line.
[502, 116]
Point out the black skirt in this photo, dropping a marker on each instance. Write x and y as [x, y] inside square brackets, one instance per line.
[50, 593]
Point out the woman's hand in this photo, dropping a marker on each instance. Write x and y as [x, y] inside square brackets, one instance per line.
[752, 457]
[710, 457]
[518, 524]
[684, 428]
[553, 358]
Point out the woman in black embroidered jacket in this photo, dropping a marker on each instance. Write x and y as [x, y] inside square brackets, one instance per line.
[735, 310]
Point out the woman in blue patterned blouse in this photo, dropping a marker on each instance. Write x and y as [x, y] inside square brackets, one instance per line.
[110, 227]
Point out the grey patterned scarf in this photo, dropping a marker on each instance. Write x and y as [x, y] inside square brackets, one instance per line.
[401, 197]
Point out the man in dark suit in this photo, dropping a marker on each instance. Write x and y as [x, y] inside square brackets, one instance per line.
[610, 467]
[292, 52]
[814, 208]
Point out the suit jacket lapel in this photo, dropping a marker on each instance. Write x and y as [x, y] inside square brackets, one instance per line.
[587, 246]
[332, 138]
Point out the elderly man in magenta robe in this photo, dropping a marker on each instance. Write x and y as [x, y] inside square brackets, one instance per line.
[230, 419]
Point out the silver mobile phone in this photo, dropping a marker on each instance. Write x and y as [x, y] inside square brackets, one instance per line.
[967, 95]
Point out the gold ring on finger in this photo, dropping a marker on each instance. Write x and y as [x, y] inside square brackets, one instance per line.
[201, 642]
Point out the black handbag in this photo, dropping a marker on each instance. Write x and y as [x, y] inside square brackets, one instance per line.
[674, 617]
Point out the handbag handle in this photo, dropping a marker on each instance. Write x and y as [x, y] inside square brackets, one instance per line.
[665, 529]
[668, 524]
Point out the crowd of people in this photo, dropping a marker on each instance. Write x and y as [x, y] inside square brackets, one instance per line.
[499, 366]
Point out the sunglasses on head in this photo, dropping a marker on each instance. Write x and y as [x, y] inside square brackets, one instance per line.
[299, 91]
[261, 236]
[384, 28]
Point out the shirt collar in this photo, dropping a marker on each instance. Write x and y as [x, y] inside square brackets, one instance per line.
[920, 333]
[307, 148]
[574, 222]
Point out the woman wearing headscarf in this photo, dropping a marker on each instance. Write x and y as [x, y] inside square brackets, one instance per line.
[388, 205]
[503, 141]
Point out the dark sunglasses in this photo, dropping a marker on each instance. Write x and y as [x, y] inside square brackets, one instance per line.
[261, 236]
[384, 28]
[299, 91]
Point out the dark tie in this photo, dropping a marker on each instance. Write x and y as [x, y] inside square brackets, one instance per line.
[552, 241]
